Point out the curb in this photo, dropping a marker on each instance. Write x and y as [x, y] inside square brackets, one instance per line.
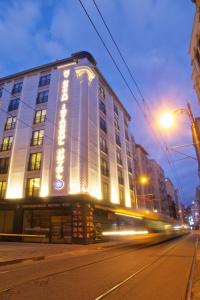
[20, 260]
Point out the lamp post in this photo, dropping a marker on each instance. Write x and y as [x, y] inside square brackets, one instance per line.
[167, 121]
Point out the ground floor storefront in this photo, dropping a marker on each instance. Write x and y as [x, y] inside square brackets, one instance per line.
[54, 220]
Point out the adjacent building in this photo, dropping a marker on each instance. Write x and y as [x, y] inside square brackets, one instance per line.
[65, 150]
[171, 198]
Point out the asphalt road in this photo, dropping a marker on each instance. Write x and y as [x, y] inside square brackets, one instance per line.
[158, 272]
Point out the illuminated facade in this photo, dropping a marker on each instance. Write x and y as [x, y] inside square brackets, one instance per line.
[64, 137]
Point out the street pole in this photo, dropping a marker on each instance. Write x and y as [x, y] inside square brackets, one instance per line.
[195, 135]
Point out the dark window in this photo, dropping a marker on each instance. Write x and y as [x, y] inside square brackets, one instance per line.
[33, 187]
[119, 157]
[104, 167]
[198, 58]
[42, 97]
[3, 185]
[105, 191]
[115, 109]
[4, 163]
[17, 88]
[103, 145]
[121, 196]
[131, 182]
[120, 176]
[101, 92]
[118, 142]
[10, 123]
[44, 80]
[7, 143]
[126, 134]
[128, 150]
[130, 166]
[37, 137]
[116, 123]
[103, 125]
[35, 161]
[40, 116]
[1, 91]
[102, 107]
[14, 104]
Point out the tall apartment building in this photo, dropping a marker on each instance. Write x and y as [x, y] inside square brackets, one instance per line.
[65, 150]
[143, 168]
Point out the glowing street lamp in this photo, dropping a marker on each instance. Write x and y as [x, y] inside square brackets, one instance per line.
[167, 120]
[143, 180]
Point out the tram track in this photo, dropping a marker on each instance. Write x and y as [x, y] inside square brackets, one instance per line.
[147, 266]
[85, 265]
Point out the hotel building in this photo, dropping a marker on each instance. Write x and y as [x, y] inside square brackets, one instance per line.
[65, 152]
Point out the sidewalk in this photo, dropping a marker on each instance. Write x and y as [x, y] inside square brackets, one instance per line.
[11, 252]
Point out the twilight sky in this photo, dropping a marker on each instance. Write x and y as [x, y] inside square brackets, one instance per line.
[154, 36]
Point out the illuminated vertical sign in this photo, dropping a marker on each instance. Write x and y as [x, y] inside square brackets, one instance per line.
[61, 133]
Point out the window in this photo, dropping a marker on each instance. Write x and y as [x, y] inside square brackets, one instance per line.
[3, 185]
[40, 116]
[1, 91]
[131, 182]
[198, 58]
[102, 107]
[118, 142]
[116, 122]
[42, 97]
[105, 191]
[101, 92]
[104, 167]
[126, 134]
[35, 161]
[121, 196]
[7, 143]
[14, 104]
[44, 80]
[4, 163]
[10, 123]
[103, 125]
[120, 176]
[33, 187]
[127, 150]
[119, 157]
[17, 88]
[130, 166]
[37, 137]
[103, 145]
[116, 109]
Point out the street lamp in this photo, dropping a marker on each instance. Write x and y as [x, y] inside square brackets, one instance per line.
[167, 120]
[141, 180]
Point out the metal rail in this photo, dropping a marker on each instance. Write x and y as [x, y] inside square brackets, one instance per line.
[188, 295]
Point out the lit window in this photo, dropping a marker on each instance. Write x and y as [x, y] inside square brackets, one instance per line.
[4, 163]
[35, 161]
[37, 137]
[14, 104]
[7, 143]
[105, 191]
[40, 116]
[42, 97]
[104, 167]
[10, 123]
[33, 187]
[44, 80]
[3, 185]
[17, 88]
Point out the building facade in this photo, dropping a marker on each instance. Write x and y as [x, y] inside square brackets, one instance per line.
[65, 149]
[171, 197]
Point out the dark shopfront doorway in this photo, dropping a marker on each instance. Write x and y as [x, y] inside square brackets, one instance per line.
[51, 225]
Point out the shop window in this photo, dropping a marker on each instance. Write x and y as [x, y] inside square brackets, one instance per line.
[3, 185]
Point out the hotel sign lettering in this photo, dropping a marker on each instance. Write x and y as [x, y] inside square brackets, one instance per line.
[61, 133]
